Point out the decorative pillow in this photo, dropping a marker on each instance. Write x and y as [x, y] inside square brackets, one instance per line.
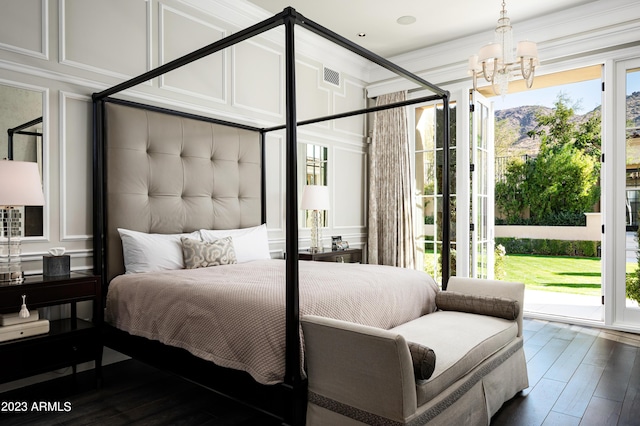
[424, 360]
[201, 254]
[249, 243]
[500, 307]
[144, 252]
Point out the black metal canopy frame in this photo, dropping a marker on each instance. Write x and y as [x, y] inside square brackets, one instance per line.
[289, 17]
[19, 130]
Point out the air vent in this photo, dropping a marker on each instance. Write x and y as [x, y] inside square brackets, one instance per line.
[331, 76]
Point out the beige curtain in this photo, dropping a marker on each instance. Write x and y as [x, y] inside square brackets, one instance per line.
[391, 236]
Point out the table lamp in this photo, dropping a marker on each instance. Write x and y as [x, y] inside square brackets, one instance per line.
[20, 185]
[315, 198]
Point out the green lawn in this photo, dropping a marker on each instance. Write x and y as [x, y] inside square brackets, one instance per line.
[576, 275]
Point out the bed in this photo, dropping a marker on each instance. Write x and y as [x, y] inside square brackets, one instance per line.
[167, 173]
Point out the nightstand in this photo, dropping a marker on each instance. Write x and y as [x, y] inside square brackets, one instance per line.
[350, 255]
[69, 341]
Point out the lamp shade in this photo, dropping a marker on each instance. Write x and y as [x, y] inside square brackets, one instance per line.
[490, 51]
[20, 184]
[474, 65]
[527, 49]
[315, 197]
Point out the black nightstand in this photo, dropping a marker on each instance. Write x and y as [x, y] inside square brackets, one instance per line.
[351, 255]
[69, 341]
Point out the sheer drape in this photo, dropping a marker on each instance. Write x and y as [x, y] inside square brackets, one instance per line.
[391, 236]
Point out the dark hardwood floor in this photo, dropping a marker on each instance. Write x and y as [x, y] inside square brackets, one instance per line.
[132, 394]
[577, 375]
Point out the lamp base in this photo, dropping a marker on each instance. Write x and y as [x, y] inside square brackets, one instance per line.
[12, 277]
[315, 249]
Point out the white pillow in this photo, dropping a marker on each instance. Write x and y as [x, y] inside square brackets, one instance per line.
[144, 252]
[249, 243]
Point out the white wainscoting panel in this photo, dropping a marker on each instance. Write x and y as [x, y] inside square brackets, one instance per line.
[314, 99]
[352, 98]
[205, 78]
[275, 185]
[76, 150]
[258, 77]
[94, 33]
[348, 188]
[24, 27]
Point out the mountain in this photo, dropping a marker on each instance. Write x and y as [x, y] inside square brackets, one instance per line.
[512, 125]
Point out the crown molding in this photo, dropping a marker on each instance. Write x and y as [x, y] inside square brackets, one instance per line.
[598, 27]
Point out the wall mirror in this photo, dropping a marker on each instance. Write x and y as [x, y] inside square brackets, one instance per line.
[315, 167]
[21, 124]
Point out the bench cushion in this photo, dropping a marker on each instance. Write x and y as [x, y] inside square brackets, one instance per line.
[424, 360]
[500, 307]
[460, 341]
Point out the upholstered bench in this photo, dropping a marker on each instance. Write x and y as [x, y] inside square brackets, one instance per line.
[365, 375]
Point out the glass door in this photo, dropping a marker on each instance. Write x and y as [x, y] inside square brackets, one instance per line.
[482, 187]
[428, 148]
[627, 291]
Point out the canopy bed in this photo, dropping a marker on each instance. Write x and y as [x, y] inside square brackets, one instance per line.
[221, 185]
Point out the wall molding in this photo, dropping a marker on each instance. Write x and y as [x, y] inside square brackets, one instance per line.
[363, 154]
[44, 40]
[65, 236]
[343, 94]
[87, 67]
[161, 55]
[234, 90]
[243, 14]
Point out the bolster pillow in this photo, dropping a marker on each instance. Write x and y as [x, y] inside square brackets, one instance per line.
[424, 360]
[500, 307]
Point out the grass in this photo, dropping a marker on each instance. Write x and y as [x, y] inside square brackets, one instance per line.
[574, 275]
[561, 274]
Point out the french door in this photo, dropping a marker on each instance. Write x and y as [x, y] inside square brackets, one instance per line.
[482, 212]
[627, 151]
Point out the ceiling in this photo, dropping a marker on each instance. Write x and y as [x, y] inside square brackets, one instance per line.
[435, 21]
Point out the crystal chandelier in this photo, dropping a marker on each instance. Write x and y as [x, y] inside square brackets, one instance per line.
[497, 63]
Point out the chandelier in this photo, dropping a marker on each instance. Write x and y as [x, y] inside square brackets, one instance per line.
[497, 63]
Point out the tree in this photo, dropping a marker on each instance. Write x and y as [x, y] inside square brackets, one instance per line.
[510, 193]
[555, 129]
[563, 178]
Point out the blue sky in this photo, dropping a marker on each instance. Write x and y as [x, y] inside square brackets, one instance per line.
[588, 93]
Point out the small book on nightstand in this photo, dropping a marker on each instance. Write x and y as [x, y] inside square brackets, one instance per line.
[25, 329]
[14, 318]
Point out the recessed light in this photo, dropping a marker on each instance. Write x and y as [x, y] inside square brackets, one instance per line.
[406, 20]
[362, 34]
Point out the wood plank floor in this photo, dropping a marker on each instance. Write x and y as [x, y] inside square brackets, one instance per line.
[577, 375]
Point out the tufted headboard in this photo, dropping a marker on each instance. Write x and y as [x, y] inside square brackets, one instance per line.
[166, 173]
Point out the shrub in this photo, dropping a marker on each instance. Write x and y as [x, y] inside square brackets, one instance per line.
[632, 280]
[633, 286]
[557, 219]
[549, 247]
[498, 269]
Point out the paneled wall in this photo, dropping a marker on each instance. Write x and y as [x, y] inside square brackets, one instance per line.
[66, 50]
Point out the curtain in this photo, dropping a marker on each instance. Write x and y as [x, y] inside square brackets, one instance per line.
[391, 236]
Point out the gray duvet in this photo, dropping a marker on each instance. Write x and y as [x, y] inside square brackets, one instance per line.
[234, 315]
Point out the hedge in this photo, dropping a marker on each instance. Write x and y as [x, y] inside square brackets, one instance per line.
[558, 219]
[550, 247]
